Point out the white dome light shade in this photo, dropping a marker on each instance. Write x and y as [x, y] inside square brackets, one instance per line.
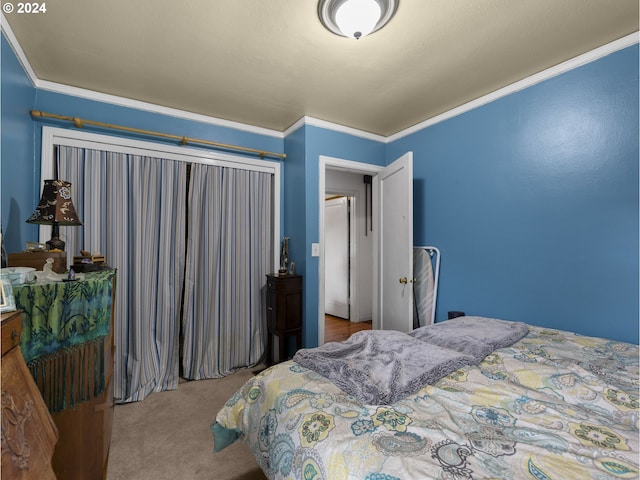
[358, 18]
[355, 18]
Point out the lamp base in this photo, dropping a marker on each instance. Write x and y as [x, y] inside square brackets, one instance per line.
[56, 244]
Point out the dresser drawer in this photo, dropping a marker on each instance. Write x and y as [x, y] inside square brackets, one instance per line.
[37, 260]
[11, 330]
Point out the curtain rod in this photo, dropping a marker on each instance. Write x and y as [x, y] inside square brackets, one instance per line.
[79, 123]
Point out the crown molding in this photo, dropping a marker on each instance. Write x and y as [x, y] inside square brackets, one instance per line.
[121, 101]
[539, 77]
[295, 126]
[336, 127]
[17, 49]
[153, 108]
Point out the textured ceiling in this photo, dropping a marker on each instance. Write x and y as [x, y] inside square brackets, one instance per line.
[268, 63]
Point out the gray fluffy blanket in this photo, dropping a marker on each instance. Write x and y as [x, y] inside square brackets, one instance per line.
[475, 336]
[380, 367]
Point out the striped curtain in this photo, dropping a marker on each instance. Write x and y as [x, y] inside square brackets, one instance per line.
[229, 252]
[133, 209]
[211, 250]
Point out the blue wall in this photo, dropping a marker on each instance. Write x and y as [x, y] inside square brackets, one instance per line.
[533, 201]
[19, 183]
[294, 193]
[302, 225]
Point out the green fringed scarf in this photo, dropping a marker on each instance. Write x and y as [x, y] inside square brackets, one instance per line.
[70, 375]
[64, 329]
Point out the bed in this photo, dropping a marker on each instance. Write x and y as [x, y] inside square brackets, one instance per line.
[552, 405]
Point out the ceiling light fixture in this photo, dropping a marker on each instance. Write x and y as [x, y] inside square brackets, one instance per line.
[356, 18]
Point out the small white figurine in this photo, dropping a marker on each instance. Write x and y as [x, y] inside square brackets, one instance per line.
[47, 271]
[48, 266]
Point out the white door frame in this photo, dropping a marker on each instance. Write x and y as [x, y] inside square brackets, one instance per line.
[346, 166]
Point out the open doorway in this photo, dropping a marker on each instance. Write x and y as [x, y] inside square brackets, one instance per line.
[344, 254]
[340, 249]
[343, 178]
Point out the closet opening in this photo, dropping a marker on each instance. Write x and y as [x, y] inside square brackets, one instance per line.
[192, 235]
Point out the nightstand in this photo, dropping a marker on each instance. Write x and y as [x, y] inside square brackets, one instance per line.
[284, 313]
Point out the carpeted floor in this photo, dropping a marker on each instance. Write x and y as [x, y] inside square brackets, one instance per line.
[167, 436]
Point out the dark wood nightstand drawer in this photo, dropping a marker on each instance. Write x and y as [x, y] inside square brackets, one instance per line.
[284, 283]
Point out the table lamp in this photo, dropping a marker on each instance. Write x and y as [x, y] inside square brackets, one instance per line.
[55, 208]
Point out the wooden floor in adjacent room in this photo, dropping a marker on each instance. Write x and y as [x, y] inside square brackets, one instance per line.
[337, 329]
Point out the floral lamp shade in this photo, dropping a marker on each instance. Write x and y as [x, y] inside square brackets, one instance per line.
[55, 208]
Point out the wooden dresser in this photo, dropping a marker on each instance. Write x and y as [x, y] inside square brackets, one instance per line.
[38, 259]
[284, 313]
[82, 452]
[69, 350]
[29, 434]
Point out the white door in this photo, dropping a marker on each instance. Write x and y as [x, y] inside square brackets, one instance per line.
[336, 250]
[393, 242]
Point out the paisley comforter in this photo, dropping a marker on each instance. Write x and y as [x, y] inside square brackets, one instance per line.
[554, 405]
